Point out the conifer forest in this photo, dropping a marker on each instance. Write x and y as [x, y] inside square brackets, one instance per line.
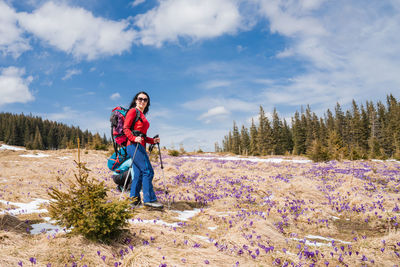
[365, 131]
[35, 133]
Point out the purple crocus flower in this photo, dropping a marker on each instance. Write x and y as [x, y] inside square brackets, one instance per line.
[206, 262]
[364, 258]
[32, 260]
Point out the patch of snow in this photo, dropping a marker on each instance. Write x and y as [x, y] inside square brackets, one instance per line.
[387, 160]
[25, 208]
[38, 155]
[312, 243]
[185, 215]
[335, 218]
[326, 239]
[64, 157]
[7, 147]
[212, 228]
[269, 160]
[39, 228]
[319, 244]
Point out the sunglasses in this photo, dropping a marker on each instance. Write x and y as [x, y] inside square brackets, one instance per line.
[142, 99]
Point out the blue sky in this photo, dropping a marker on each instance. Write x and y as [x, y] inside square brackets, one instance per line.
[204, 63]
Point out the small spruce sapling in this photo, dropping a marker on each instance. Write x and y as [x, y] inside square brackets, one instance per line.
[84, 209]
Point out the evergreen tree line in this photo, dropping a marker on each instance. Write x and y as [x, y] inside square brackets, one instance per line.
[36, 133]
[365, 131]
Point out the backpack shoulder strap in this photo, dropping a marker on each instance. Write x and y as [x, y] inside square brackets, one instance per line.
[137, 116]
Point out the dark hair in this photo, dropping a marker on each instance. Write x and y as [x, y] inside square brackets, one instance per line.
[133, 103]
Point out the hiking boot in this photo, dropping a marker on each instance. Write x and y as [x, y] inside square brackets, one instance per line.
[136, 204]
[154, 204]
[119, 188]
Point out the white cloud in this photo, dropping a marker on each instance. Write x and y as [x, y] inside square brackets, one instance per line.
[115, 96]
[211, 102]
[216, 84]
[193, 19]
[66, 114]
[85, 120]
[71, 73]
[292, 18]
[349, 49]
[215, 112]
[11, 40]
[76, 31]
[191, 138]
[137, 2]
[285, 53]
[14, 88]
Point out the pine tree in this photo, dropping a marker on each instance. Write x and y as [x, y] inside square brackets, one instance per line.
[335, 146]
[244, 141]
[365, 131]
[299, 135]
[318, 152]
[52, 138]
[37, 140]
[11, 137]
[264, 134]
[253, 139]
[287, 138]
[235, 139]
[64, 142]
[28, 136]
[329, 121]
[307, 123]
[339, 120]
[216, 147]
[277, 135]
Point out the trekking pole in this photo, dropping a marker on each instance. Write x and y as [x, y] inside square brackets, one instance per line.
[162, 170]
[130, 171]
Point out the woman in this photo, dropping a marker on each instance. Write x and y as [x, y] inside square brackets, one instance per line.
[136, 148]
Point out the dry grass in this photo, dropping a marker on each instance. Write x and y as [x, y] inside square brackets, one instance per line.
[245, 210]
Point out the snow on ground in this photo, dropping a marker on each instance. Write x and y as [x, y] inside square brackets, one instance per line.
[64, 158]
[39, 228]
[269, 160]
[38, 155]
[185, 215]
[7, 147]
[309, 240]
[326, 239]
[24, 208]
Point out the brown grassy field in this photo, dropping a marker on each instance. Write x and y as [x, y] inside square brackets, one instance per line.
[240, 213]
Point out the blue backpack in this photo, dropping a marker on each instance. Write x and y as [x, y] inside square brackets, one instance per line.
[117, 159]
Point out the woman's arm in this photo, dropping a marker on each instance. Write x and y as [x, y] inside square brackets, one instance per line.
[152, 140]
[129, 119]
[149, 140]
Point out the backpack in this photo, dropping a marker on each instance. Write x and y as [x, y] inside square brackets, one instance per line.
[117, 120]
[117, 159]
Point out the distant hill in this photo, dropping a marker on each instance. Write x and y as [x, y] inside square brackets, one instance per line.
[33, 132]
[370, 131]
